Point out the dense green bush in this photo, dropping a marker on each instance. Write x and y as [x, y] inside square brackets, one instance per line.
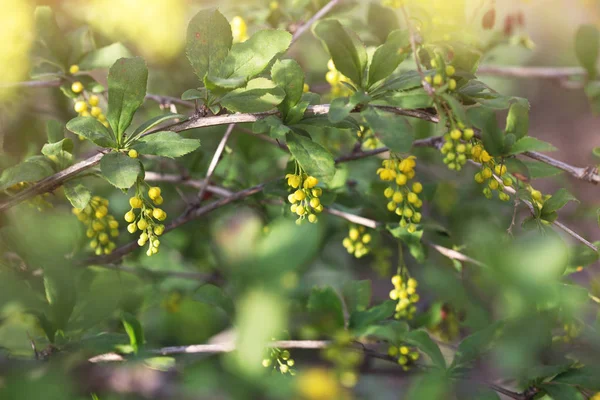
[360, 219]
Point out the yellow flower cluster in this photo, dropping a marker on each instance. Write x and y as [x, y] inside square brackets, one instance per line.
[101, 226]
[443, 75]
[318, 384]
[596, 396]
[489, 167]
[403, 198]
[407, 356]
[91, 106]
[239, 29]
[335, 79]
[571, 330]
[538, 198]
[304, 197]
[456, 147]
[148, 220]
[405, 291]
[38, 202]
[357, 241]
[346, 360]
[392, 3]
[279, 360]
[368, 139]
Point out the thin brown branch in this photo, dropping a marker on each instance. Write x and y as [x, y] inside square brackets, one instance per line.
[556, 223]
[369, 223]
[52, 182]
[229, 346]
[195, 212]
[32, 84]
[558, 73]
[589, 174]
[213, 163]
[193, 183]
[318, 15]
[413, 44]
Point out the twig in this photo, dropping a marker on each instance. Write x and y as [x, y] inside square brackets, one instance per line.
[196, 212]
[50, 183]
[193, 183]
[213, 163]
[228, 347]
[413, 44]
[318, 15]
[532, 72]
[264, 138]
[369, 223]
[556, 223]
[32, 84]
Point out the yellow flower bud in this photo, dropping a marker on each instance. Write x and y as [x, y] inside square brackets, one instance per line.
[77, 87]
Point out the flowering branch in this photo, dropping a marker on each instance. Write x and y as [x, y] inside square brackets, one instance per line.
[588, 174]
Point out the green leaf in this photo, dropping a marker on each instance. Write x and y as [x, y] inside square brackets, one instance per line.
[345, 48]
[393, 130]
[561, 391]
[411, 240]
[120, 170]
[51, 36]
[388, 56]
[585, 377]
[381, 21]
[271, 125]
[59, 152]
[558, 201]
[92, 129]
[77, 194]
[31, 170]
[313, 157]
[151, 123]
[127, 80]
[60, 293]
[194, 94]
[474, 346]
[357, 295]
[517, 121]
[104, 57]
[485, 119]
[215, 296]
[134, 331]
[55, 131]
[259, 95]
[592, 90]
[208, 41]
[422, 340]
[81, 42]
[405, 81]
[166, 144]
[341, 107]
[458, 110]
[529, 143]
[250, 58]
[587, 44]
[391, 331]
[361, 319]
[538, 169]
[415, 98]
[326, 310]
[289, 76]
